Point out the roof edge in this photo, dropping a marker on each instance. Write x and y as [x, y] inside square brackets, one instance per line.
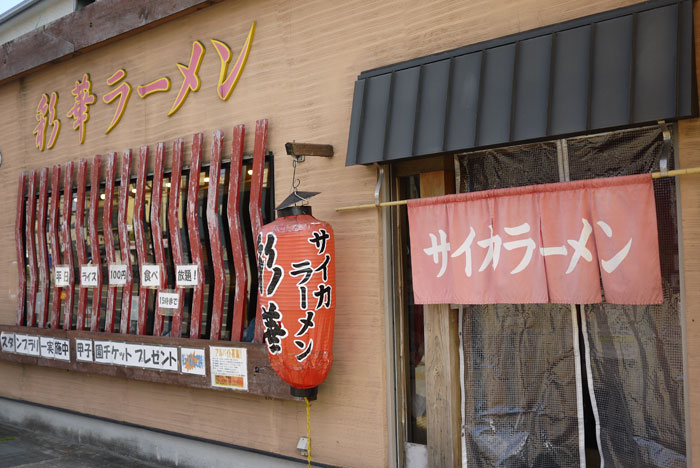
[17, 9]
[94, 26]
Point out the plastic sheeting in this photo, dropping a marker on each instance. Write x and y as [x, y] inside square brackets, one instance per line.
[636, 364]
[520, 386]
[509, 167]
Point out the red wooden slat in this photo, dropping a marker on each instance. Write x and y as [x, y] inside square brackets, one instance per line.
[174, 228]
[31, 249]
[124, 248]
[80, 239]
[53, 237]
[66, 245]
[19, 242]
[110, 253]
[157, 230]
[256, 189]
[193, 232]
[236, 233]
[217, 254]
[42, 251]
[140, 237]
[94, 240]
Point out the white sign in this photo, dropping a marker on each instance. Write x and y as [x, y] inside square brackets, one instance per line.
[150, 275]
[168, 300]
[55, 348]
[117, 274]
[193, 361]
[83, 350]
[186, 276]
[27, 344]
[7, 342]
[136, 355]
[228, 367]
[88, 276]
[61, 276]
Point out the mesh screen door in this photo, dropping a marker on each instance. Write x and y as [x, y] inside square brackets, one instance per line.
[520, 379]
[634, 354]
[535, 395]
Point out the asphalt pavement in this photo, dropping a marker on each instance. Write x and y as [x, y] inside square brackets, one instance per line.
[28, 449]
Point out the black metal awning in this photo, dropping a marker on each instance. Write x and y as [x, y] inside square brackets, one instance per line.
[617, 69]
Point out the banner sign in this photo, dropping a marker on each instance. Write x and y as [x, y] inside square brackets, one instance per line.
[549, 243]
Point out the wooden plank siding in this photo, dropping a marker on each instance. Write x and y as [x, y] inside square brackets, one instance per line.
[300, 73]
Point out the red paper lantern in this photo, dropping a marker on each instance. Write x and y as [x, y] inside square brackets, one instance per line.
[296, 294]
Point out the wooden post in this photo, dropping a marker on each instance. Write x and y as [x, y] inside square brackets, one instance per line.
[441, 329]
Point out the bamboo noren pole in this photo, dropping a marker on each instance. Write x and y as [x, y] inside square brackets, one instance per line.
[654, 175]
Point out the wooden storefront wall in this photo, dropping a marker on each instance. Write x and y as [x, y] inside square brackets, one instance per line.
[303, 63]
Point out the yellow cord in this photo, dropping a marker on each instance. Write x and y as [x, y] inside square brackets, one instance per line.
[308, 431]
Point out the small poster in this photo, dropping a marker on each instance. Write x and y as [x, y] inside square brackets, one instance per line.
[193, 361]
[228, 367]
[117, 274]
[150, 275]
[7, 342]
[88, 276]
[55, 348]
[61, 276]
[186, 276]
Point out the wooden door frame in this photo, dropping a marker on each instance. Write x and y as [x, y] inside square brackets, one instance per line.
[441, 329]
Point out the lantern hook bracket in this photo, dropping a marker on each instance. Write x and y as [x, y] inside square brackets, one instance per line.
[299, 151]
[297, 196]
[296, 182]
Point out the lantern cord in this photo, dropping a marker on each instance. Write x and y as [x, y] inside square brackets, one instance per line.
[308, 431]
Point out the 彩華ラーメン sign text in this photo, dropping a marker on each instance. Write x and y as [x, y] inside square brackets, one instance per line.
[81, 99]
[550, 243]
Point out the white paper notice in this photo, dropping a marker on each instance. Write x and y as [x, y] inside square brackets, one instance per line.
[109, 352]
[83, 350]
[186, 276]
[55, 348]
[150, 275]
[88, 276]
[136, 355]
[168, 300]
[7, 342]
[228, 367]
[193, 361]
[61, 276]
[27, 344]
[117, 274]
